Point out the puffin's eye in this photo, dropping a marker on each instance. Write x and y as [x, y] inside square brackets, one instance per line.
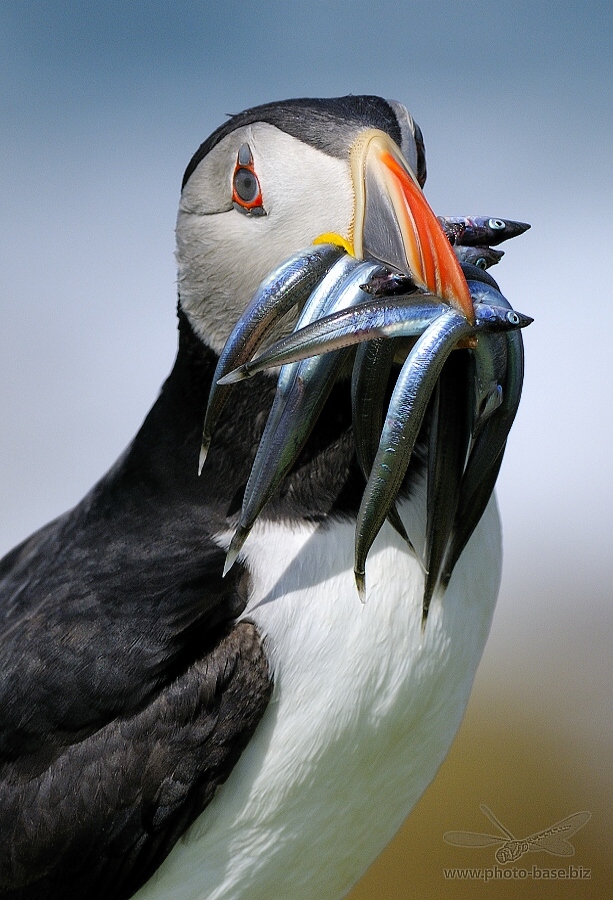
[246, 192]
[246, 185]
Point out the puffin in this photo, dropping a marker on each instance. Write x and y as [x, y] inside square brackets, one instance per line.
[168, 730]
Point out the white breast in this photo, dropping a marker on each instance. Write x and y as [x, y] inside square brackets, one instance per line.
[365, 708]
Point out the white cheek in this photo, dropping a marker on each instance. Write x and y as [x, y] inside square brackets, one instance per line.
[219, 268]
[308, 193]
[223, 258]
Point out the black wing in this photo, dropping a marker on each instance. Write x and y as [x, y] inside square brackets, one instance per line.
[127, 695]
[127, 688]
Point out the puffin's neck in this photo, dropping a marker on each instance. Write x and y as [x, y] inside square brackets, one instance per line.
[163, 458]
[167, 442]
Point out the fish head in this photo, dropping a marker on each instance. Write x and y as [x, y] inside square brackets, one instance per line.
[499, 318]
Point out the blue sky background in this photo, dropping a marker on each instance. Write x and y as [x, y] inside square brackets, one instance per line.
[102, 105]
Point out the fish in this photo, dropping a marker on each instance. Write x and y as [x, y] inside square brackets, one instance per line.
[289, 284]
[398, 316]
[410, 398]
[489, 363]
[473, 398]
[470, 231]
[385, 317]
[487, 451]
[302, 390]
[389, 284]
[448, 442]
[369, 381]
[482, 257]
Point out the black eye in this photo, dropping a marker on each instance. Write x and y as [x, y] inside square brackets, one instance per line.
[246, 185]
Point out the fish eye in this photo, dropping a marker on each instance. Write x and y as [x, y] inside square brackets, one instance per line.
[496, 224]
[513, 318]
[246, 191]
[481, 263]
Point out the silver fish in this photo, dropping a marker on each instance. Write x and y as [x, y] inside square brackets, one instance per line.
[302, 390]
[487, 451]
[402, 316]
[479, 230]
[390, 317]
[448, 441]
[324, 295]
[469, 408]
[481, 257]
[468, 393]
[404, 418]
[406, 411]
[289, 284]
[490, 364]
[397, 316]
[371, 372]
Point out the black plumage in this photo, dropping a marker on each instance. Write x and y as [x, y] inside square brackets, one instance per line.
[95, 813]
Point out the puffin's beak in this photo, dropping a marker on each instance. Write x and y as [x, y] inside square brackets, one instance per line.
[394, 224]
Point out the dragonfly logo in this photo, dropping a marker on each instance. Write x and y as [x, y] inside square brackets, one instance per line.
[552, 840]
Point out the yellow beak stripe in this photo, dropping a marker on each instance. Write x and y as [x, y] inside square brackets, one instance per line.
[331, 237]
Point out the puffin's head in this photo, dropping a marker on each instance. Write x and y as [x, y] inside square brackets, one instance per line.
[275, 178]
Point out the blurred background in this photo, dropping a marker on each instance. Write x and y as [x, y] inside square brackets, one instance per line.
[102, 106]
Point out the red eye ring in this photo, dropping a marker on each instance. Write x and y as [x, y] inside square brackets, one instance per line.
[246, 191]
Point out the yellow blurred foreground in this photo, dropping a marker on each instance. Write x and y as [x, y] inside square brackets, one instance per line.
[531, 774]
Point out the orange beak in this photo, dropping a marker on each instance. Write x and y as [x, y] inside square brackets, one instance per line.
[394, 223]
